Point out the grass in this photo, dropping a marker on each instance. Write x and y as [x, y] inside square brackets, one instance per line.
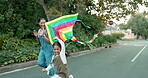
[128, 39]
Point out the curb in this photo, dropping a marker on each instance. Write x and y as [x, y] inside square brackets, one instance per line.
[12, 67]
[17, 66]
[91, 51]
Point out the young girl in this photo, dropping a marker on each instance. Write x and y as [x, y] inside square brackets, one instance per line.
[59, 61]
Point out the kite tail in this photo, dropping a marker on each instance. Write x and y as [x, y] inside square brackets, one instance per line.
[76, 40]
[84, 24]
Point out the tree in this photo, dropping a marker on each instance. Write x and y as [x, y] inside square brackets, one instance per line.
[106, 9]
[139, 24]
[118, 35]
[123, 26]
[16, 20]
[42, 2]
[21, 17]
[109, 9]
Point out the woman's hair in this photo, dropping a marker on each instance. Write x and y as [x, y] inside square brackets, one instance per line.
[42, 19]
[57, 44]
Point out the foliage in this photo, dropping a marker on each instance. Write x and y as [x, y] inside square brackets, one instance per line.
[129, 40]
[139, 24]
[14, 50]
[123, 26]
[18, 21]
[102, 40]
[110, 39]
[110, 9]
[3, 37]
[20, 17]
[118, 35]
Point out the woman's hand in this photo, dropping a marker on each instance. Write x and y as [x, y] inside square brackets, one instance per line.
[35, 33]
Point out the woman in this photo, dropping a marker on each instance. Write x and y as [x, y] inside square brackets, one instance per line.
[46, 50]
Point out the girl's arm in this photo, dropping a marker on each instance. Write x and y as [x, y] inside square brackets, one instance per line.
[49, 67]
[62, 53]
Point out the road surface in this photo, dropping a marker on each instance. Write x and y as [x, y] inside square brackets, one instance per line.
[128, 60]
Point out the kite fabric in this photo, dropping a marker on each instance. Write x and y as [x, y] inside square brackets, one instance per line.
[62, 27]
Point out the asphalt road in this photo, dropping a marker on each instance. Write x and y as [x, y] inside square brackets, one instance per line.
[128, 60]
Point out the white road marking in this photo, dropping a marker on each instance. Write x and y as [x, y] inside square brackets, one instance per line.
[133, 44]
[18, 70]
[138, 54]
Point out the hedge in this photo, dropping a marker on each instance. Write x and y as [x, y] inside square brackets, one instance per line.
[14, 50]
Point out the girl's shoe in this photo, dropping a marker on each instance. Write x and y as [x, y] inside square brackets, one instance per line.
[71, 76]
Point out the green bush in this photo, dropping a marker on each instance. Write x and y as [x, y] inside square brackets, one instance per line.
[3, 37]
[101, 40]
[109, 39]
[14, 50]
[118, 35]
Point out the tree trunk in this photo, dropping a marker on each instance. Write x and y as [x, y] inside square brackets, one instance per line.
[60, 7]
[143, 36]
[41, 2]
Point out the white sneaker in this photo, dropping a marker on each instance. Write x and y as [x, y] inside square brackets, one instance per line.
[47, 72]
[71, 76]
[56, 76]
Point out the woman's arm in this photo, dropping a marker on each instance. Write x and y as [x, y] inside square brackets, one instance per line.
[45, 35]
[36, 35]
[46, 39]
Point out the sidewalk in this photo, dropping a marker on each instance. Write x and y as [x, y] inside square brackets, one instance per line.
[34, 62]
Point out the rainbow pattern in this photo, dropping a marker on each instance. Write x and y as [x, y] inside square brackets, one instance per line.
[62, 28]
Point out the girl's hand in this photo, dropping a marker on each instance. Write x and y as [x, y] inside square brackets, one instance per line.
[35, 33]
[56, 38]
[44, 70]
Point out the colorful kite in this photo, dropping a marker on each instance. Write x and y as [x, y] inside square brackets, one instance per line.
[62, 28]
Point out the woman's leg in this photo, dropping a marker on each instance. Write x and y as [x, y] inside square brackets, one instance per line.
[41, 60]
[51, 72]
[48, 56]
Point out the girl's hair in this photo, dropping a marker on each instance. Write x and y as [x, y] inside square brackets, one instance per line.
[57, 44]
